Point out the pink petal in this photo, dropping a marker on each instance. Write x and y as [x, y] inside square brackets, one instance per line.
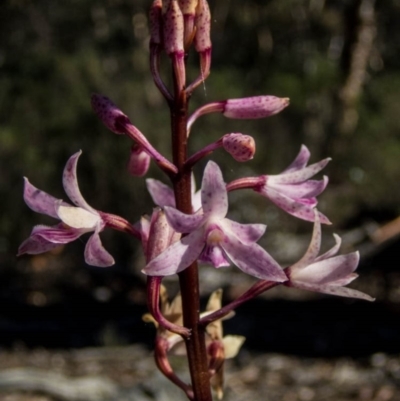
[70, 182]
[312, 251]
[300, 161]
[214, 255]
[181, 222]
[252, 259]
[327, 271]
[161, 194]
[95, 254]
[57, 234]
[332, 290]
[34, 245]
[214, 197]
[178, 256]
[301, 175]
[38, 200]
[293, 207]
[307, 189]
[333, 251]
[247, 233]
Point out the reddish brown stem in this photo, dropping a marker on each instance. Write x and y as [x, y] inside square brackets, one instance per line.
[257, 289]
[162, 362]
[188, 279]
[153, 299]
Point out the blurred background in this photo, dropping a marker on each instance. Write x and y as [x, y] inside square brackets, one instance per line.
[337, 60]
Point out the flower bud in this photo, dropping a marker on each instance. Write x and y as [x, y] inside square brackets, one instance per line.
[139, 161]
[202, 41]
[241, 147]
[254, 107]
[160, 234]
[188, 7]
[112, 117]
[173, 30]
[155, 22]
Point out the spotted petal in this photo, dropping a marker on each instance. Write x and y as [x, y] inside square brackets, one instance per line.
[301, 175]
[161, 194]
[296, 208]
[181, 222]
[39, 201]
[70, 182]
[247, 233]
[328, 271]
[178, 256]
[300, 161]
[252, 259]
[214, 197]
[95, 254]
[334, 290]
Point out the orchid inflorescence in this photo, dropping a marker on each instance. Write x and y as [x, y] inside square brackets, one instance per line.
[187, 227]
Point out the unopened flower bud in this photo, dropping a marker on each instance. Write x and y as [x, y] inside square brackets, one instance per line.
[254, 107]
[188, 6]
[202, 41]
[241, 147]
[160, 234]
[155, 22]
[173, 30]
[139, 161]
[112, 117]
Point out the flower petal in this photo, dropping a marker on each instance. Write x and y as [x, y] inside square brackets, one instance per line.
[306, 189]
[312, 250]
[293, 207]
[178, 256]
[333, 251]
[327, 271]
[252, 259]
[300, 161]
[181, 222]
[34, 245]
[59, 234]
[161, 194]
[247, 233]
[70, 182]
[333, 290]
[301, 175]
[77, 217]
[214, 255]
[214, 197]
[39, 201]
[95, 254]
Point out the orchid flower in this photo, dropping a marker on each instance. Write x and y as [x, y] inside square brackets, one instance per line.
[75, 220]
[214, 239]
[327, 273]
[293, 191]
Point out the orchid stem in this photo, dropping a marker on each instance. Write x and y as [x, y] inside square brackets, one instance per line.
[255, 290]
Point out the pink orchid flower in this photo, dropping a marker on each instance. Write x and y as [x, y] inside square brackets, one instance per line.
[75, 220]
[293, 191]
[214, 239]
[327, 273]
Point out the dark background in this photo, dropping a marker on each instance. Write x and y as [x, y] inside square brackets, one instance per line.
[338, 62]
